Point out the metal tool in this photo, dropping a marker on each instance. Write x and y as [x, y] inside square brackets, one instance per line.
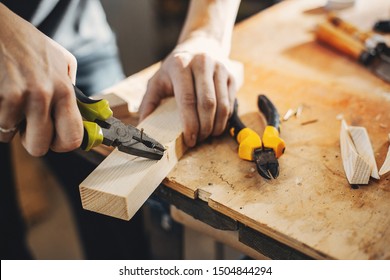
[265, 150]
[368, 48]
[382, 26]
[100, 127]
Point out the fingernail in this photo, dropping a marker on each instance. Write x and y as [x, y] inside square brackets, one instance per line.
[192, 140]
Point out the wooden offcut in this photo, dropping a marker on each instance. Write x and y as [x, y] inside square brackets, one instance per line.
[356, 168]
[122, 183]
[386, 165]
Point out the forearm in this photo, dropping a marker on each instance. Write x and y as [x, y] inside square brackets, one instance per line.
[211, 18]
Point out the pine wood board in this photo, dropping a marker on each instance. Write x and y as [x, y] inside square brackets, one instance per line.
[311, 207]
[122, 183]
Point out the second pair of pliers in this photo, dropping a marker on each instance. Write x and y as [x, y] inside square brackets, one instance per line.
[265, 150]
[100, 127]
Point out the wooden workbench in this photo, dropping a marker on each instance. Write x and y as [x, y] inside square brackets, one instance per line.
[310, 208]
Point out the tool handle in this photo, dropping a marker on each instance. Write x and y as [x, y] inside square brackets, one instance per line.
[93, 135]
[92, 109]
[330, 35]
[269, 111]
[271, 137]
[349, 28]
[248, 140]
[235, 123]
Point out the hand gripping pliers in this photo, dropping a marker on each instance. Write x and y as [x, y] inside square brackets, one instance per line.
[100, 127]
[265, 150]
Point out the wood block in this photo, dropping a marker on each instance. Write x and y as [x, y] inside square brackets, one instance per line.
[122, 183]
[356, 168]
[363, 146]
[386, 165]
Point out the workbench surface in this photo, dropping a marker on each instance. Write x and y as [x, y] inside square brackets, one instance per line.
[310, 207]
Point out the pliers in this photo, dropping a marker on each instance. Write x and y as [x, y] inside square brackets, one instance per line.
[100, 127]
[265, 150]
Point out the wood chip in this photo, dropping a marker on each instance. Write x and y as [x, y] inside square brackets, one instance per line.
[288, 114]
[299, 111]
[309, 121]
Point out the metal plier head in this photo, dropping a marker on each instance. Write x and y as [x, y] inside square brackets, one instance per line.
[100, 127]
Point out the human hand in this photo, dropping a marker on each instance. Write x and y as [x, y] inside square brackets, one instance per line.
[36, 87]
[204, 82]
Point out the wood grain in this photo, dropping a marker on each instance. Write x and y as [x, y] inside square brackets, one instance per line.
[121, 183]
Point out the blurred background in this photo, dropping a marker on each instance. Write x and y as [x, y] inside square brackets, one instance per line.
[146, 31]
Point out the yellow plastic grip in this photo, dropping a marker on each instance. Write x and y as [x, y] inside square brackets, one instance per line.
[272, 140]
[93, 135]
[99, 110]
[248, 141]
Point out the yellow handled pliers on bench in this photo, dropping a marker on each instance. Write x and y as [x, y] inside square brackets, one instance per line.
[265, 150]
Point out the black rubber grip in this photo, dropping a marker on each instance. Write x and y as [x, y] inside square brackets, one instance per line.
[82, 97]
[235, 122]
[269, 111]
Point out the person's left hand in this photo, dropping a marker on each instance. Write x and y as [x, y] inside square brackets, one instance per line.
[204, 83]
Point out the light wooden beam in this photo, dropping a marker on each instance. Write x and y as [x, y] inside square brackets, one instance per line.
[122, 183]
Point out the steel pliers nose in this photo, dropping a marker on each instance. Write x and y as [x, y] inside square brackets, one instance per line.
[100, 127]
[265, 150]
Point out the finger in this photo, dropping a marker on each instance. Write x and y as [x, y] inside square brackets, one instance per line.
[67, 120]
[157, 90]
[183, 87]
[11, 106]
[39, 128]
[203, 71]
[232, 90]
[223, 99]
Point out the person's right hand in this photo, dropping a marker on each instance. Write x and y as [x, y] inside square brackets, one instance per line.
[36, 87]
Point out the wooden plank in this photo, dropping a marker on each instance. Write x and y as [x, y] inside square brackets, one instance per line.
[121, 183]
[311, 206]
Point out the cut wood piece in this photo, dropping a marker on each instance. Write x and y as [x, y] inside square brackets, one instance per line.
[356, 168]
[386, 165]
[363, 146]
[122, 183]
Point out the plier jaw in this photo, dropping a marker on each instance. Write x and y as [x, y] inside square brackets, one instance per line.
[130, 139]
[101, 127]
[266, 163]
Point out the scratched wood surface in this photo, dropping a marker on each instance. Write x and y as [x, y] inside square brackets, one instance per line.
[311, 206]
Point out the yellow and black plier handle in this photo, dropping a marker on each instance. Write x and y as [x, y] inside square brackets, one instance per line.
[92, 110]
[265, 150]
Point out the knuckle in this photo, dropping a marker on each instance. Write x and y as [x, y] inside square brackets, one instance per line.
[200, 60]
[188, 99]
[15, 98]
[40, 94]
[208, 103]
[223, 110]
[178, 61]
[64, 91]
